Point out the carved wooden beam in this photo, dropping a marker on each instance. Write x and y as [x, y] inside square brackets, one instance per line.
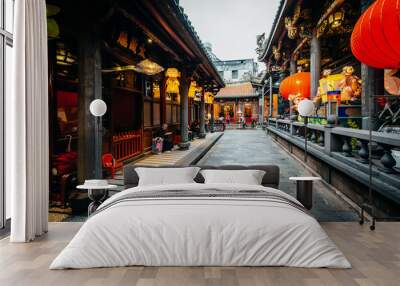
[167, 27]
[149, 34]
[298, 48]
[334, 6]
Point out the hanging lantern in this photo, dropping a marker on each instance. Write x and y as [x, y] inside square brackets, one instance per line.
[172, 84]
[149, 67]
[156, 90]
[376, 36]
[53, 29]
[208, 97]
[198, 93]
[336, 19]
[172, 72]
[192, 89]
[298, 85]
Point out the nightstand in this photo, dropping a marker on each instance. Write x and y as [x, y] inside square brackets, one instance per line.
[97, 194]
[304, 190]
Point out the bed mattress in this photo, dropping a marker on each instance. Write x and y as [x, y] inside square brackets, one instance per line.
[201, 225]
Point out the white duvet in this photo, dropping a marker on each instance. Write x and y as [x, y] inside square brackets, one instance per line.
[200, 232]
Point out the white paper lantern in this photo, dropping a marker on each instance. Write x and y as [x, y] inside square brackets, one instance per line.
[306, 108]
[98, 107]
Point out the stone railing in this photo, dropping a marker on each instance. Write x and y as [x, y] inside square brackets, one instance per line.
[348, 141]
[347, 149]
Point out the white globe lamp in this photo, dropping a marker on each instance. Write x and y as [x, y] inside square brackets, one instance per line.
[98, 107]
[306, 108]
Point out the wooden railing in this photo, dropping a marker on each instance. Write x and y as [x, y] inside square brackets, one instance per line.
[126, 145]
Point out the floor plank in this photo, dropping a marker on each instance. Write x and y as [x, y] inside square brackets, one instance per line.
[375, 257]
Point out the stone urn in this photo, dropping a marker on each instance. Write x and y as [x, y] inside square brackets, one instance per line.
[396, 156]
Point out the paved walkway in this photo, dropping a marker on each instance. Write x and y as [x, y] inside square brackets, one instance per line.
[174, 158]
[179, 157]
[254, 147]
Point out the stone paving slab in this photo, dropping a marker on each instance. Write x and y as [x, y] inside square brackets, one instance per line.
[254, 147]
[176, 157]
[179, 157]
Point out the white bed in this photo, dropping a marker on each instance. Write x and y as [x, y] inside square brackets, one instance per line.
[201, 231]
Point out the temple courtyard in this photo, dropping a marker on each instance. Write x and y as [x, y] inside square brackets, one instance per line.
[255, 147]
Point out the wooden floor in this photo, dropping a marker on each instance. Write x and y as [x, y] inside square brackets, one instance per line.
[375, 257]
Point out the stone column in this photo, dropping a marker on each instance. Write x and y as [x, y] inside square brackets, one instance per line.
[90, 82]
[271, 101]
[372, 84]
[261, 106]
[315, 65]
[212, 118]
[293, 66]
[184, 111]
[202, 116]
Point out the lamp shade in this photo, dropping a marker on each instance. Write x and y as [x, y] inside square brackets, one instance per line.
[98, 107]
[376, 35]
[306, 108]
[298, 84]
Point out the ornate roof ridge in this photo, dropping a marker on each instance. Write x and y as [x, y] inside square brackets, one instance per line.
[266, 42]
[192, 30]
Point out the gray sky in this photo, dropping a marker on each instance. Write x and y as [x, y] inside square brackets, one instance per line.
[231, 26]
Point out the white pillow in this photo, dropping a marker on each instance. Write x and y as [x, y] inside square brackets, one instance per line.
[247, 177]
[166, 176]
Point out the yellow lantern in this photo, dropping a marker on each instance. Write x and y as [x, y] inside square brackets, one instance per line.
[208, 97]
[172, 84]
[156, 90]
[172, 72]
[192, 89]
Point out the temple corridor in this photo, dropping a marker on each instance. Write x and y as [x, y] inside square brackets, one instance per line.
[255, 147]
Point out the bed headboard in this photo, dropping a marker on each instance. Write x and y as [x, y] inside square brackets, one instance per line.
[270, 179]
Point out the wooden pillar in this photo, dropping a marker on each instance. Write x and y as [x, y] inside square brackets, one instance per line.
[202, 115]
[315, 64]
[184, 110]
[90, 143]
[190, 110]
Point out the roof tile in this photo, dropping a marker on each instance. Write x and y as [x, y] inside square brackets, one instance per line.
[243, 89]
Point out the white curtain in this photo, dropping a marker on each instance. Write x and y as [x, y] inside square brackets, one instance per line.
[27, 147]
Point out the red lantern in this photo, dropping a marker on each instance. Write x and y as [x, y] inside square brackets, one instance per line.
[296, 84]
[376, 36]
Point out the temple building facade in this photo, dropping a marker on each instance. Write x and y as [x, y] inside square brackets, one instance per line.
[310, 53]
[151, 69]
[237, 103]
